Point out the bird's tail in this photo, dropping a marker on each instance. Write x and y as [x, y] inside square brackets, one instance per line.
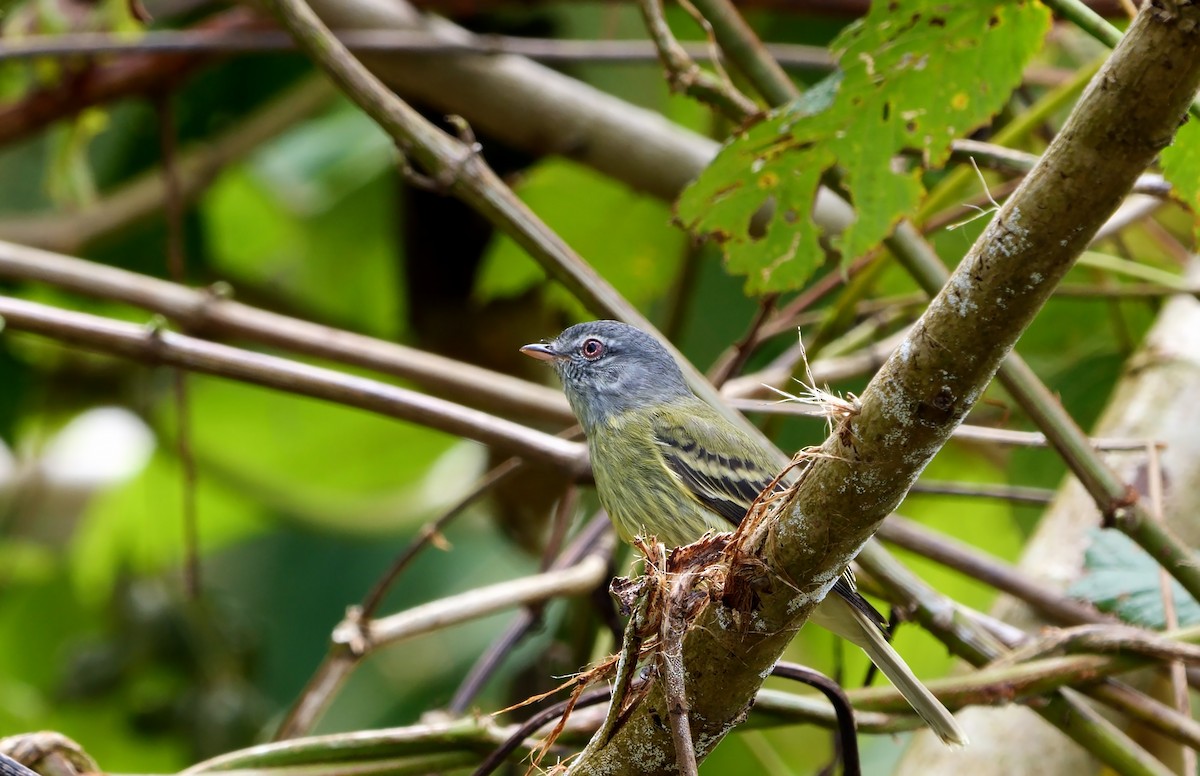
[838, 615]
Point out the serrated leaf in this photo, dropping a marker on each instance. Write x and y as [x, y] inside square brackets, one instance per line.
[1181, 166]
[915, 75]
[1121, 578]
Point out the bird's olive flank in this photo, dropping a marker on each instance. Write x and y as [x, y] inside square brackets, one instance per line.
[669, 465]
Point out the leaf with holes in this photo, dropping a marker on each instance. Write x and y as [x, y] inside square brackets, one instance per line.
[914, 75]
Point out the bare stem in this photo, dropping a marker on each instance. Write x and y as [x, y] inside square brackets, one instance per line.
[165, 347]
[684, 75]
[210, 313]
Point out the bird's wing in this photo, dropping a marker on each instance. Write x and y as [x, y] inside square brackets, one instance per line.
[725, 484]
[728, 485]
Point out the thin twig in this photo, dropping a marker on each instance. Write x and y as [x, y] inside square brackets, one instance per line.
[1004, 159]
[1087, 20]
[987, 569]
[177, 269]
[144, 195]
[533, 724]
[356, 638]
[110, 82]
[965, 433]
[785, 319]
[235, 41]
[462, 172]
[1107, 638]
[1017, 494]
[206, 312]
[1177, 668]
[1129, 291]
[165, 347]
[1118, 503]
[684, 75]
[560, 519]
[1063, 708]
[734, 359]
[1149, 712]
[747, 52]
[846, 728]
[778, 374]
[486, 663]
[433, 529]
[362, 751]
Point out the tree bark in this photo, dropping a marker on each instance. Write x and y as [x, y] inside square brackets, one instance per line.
[1149, 403]
[1126, 116]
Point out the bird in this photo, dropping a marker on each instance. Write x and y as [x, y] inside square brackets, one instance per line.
[667, 464]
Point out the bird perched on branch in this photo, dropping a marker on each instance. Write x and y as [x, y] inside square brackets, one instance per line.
[667, 464]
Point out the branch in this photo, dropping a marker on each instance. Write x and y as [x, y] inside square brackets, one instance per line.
[926, 388]
[747, 52]
[1142, 404]
[210, 314]
[1076, 144]
[684, 75]
[469, 738]
[103, 83]
[238, 41]
[352, 642]
[1113, 496]
[457, 167]
[143, 196]
[836, 9]
[1063, 708]
[979, 565]
[354, 638]
[164, 347]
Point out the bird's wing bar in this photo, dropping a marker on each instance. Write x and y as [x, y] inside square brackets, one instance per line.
[725, 484]
[728, 485]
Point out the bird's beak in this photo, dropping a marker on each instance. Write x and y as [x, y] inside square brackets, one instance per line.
[541, 351]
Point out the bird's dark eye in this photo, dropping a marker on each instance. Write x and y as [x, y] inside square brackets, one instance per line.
[591, 349]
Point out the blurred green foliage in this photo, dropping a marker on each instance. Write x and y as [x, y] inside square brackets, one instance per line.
[1181, 165]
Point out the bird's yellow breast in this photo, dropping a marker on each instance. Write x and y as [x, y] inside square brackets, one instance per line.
[641, 495]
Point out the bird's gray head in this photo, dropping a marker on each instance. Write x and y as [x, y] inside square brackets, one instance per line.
[608, 367]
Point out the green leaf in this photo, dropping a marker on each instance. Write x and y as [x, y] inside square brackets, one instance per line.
[1123, 579]
[1181, 166]
[69, 179]
[915, 74]
[338, 264]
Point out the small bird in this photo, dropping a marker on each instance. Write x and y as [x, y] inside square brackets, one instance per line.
[667, 464]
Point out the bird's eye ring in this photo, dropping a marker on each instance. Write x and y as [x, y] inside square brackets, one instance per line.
[591, 349]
